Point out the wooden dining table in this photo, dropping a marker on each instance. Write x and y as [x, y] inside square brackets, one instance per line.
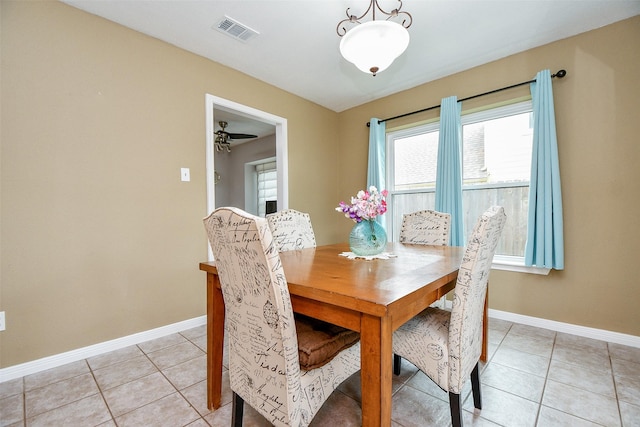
[373, 297]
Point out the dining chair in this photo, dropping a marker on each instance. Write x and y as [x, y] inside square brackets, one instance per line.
[266, 345]
[446, 345]
[291, 230]
[425, 227]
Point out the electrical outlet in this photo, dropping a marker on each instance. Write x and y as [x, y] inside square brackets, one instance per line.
[3, 325]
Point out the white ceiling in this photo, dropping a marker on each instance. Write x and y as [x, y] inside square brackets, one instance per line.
[297, 48]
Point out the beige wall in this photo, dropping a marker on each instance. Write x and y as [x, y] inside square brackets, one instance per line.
[598, 124]
[100, 239]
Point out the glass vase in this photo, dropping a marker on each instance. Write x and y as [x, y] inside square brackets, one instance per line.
[367, 238]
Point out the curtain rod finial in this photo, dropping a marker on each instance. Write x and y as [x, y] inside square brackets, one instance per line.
[560, 74]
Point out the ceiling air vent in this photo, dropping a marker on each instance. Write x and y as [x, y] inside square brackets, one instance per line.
[235, 29]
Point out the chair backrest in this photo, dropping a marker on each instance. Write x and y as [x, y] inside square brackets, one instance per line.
[465, 327]
[425, 227]
[291, 230]
[263, 350]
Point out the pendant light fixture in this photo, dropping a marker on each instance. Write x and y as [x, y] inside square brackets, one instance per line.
[372, 46]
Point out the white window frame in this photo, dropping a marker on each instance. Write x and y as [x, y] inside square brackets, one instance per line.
[500, 262]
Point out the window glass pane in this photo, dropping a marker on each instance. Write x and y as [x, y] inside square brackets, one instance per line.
[474, 168]
[267, 185]
[415, 161]
[498, 150]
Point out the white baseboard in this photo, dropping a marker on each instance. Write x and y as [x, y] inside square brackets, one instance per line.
[56, 360]
[582, 331]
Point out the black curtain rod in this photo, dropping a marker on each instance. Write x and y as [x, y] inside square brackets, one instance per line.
[560, 74]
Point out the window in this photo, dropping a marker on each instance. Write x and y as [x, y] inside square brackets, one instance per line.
[496, 163]
[267, 184]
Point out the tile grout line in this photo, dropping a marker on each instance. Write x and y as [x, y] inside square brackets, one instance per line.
[615, 385]
[113, 418]
[546, 379]
[200, 416]
[179, 392]
[24, 401]
[52, 383]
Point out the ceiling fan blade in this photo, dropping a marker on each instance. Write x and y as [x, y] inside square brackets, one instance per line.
[241, 135]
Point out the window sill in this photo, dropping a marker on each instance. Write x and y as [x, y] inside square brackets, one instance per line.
[516, 264]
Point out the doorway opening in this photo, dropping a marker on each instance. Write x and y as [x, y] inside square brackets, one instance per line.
[214, 103]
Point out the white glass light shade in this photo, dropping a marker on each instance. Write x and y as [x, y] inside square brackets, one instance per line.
[374, 45]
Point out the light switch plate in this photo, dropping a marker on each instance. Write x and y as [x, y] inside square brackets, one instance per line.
[2, 322]
[184, 174]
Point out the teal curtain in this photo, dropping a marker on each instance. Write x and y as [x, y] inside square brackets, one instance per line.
[377, 163]
[449, 168]
[545, 242]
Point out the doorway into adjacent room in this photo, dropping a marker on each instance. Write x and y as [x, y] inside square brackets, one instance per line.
[247, 116]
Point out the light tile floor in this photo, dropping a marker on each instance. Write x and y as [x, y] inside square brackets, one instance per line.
[534, 377]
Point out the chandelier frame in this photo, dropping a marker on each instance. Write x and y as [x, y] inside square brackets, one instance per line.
[373, 6]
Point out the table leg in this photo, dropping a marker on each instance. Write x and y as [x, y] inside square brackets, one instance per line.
[485, 328]
[215, 341]
[376, 370]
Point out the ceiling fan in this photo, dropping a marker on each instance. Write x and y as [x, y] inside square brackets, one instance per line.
[222, 137]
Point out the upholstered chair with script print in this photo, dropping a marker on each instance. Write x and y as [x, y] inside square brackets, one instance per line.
[446, 345]
[292, 230]
[266, 369]
[424, 227]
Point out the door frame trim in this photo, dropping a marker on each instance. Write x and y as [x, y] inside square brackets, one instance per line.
[212, 102]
